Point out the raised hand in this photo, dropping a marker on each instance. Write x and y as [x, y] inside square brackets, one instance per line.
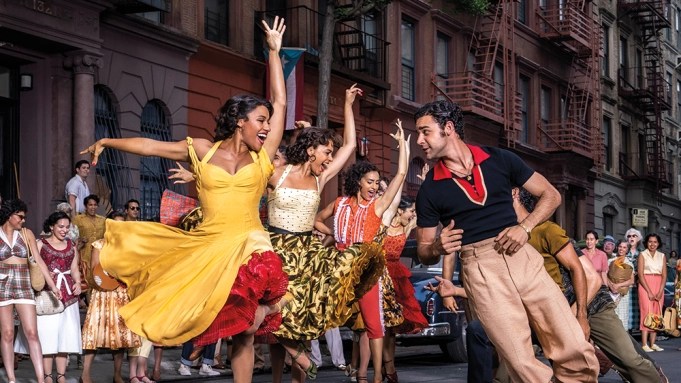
[399, 135]
[424, 171]
[180, 175]
[94, 150]
[275, 34]
[351, 93]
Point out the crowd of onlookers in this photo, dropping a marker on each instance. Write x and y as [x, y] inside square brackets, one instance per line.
[650, 268]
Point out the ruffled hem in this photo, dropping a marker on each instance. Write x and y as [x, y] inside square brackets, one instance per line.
[260, 281]
[324, 283]
[411, 309]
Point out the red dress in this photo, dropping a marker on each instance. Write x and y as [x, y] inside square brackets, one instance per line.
[404, 291]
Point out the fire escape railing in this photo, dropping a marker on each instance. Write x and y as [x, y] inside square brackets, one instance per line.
[354, 49]
[649, 95]
[570, 25]
[476, 89]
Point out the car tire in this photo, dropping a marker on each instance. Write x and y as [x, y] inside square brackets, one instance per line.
[455, 351]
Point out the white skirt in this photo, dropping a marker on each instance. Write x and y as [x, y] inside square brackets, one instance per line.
[58, 333]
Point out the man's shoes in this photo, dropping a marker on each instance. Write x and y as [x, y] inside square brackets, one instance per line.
[341, 367]
[207, 370]
[655, 347]
[647, 349]
[184, 370]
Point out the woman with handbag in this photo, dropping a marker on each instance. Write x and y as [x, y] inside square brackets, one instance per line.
[59, 333]
[652, 271]
[15, 285]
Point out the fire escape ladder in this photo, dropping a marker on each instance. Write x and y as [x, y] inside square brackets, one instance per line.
[488, 39]
[512, 101]
[649, 17]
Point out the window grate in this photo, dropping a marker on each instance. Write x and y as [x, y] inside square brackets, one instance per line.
[154, 170]
[113, 179]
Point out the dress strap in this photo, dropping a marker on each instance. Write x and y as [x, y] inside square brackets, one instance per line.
[283, 176]
[210, 153]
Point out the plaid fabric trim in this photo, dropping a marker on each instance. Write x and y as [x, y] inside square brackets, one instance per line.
[15, 283]
[174, 206]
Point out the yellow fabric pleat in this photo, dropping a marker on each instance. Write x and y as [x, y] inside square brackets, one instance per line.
[177, 280]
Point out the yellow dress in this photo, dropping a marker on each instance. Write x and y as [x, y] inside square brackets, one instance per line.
[179, 281]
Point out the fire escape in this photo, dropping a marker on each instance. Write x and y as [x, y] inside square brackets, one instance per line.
[647, 94]
[482, 89]
[570, 25]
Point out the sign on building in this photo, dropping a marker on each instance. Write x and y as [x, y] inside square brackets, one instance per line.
[639, 217]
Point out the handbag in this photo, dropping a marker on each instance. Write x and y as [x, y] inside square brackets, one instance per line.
[670, 322]
[174, 206]
[653, 320]
[47, 303]
[36, 275]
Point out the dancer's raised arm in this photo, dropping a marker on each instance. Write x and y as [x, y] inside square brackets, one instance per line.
[349, 137]
[142, 146]
[274, 37]
[396, 184]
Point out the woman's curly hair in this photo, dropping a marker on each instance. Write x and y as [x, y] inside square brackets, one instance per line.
[237, 108]
[354, 174]
[9, 207]
[53, 219]
[309, 138]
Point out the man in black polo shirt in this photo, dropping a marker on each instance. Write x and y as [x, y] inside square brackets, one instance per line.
[469, 188]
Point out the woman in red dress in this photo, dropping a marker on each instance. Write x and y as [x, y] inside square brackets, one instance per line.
[399, 227]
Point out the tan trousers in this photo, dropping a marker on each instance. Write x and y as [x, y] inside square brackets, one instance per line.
[512, 293]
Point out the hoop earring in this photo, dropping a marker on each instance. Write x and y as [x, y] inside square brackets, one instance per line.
[313, 158]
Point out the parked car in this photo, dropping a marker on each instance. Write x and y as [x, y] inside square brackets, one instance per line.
[446, 329]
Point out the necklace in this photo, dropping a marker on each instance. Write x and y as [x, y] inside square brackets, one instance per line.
[468, 174]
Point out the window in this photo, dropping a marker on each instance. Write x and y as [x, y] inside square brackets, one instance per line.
[624, 149]
[499, 82]
[677, 26]
[371, 29]
[668, 89]
[408, 60]
[442, 59]
[522, 11]
[545, 107]
[678, 99]
[605, 70]
[524, 90]
[639, 69]
[112, 170]
[609, 214]
[154, 170]
[215, 21]
[607, 142]
[624, 59]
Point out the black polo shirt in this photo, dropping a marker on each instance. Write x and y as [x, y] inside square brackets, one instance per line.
[483, 206]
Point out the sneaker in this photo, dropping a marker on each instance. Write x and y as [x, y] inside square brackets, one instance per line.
[207, 370]
[184, 370]
[647, 349]
[341, 367]
[656, 348]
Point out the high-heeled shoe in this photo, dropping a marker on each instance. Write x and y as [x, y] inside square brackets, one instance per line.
[391, 378]
[311, 370]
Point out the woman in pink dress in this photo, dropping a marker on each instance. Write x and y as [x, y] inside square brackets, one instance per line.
[597, 257]
[652, 274]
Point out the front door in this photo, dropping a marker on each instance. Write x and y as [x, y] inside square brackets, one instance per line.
[9, 133]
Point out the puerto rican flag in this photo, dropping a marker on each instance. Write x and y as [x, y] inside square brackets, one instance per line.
[295, 86]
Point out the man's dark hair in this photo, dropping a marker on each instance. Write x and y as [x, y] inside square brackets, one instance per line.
[527, 200]
[132, 200]
[443, 111]
[115, 214]
[91, 197]
[80, 163]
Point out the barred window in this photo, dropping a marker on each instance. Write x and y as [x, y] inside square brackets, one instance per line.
[113, 180]
[155, 124]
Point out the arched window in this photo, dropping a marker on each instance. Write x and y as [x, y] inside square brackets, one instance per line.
[609, 215]
[113, 182]
[155, 124]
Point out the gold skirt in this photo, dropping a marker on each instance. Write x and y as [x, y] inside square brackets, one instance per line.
[103, 326]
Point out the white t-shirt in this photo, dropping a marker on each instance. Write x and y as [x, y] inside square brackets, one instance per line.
[78, 188]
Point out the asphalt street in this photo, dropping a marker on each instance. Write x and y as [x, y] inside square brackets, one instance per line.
[423, 364]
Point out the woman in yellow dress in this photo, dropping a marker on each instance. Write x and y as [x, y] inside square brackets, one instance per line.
[222, 278]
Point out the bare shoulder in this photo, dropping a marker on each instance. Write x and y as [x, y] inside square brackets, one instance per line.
[274, 179]
[201, 146]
